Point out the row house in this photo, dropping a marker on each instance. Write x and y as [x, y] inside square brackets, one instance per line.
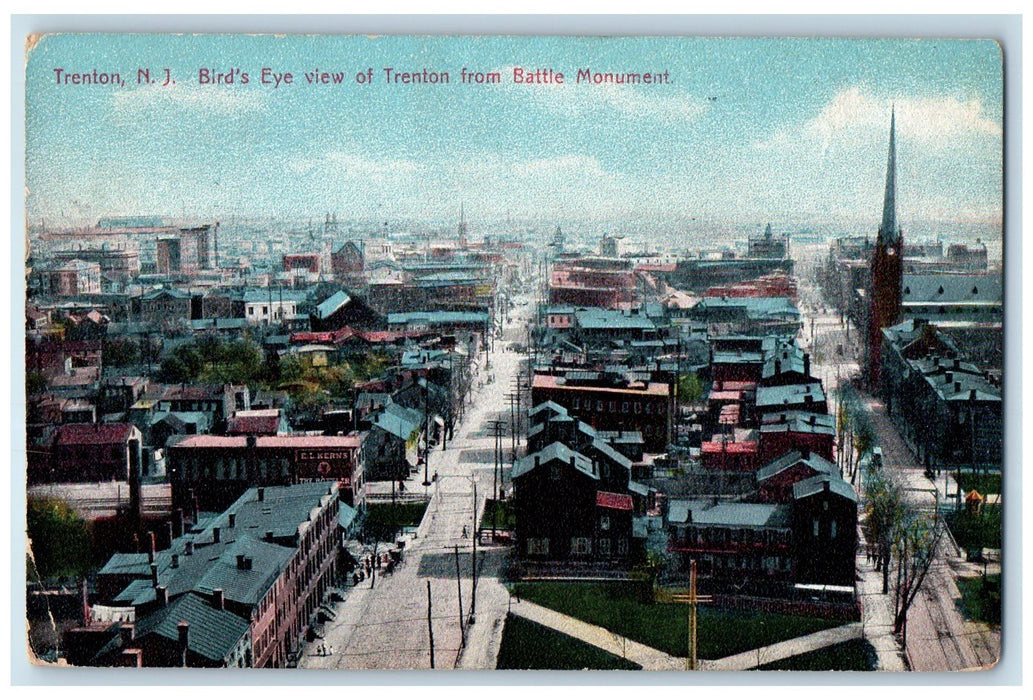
[644, 407]
[767, 548]
[245, 588]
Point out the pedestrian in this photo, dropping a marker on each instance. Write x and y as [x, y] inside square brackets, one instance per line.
[331, 650]
[464, 532]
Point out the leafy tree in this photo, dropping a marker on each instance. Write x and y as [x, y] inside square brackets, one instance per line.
[916, 546]
[60, 540]
[690, 388]
[35, 383]
[885, 511]
[121, 352]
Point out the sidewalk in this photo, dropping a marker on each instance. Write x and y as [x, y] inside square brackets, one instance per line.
[783, 650]
[648, 658]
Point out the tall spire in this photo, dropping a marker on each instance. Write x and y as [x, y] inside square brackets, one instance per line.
[888, 231]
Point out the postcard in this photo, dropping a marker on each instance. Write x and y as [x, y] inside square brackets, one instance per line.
[510, 352]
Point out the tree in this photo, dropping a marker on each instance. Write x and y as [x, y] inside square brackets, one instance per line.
[121, 352]
[884, 513]
[916, 547]
[59, 539]
[690, 389]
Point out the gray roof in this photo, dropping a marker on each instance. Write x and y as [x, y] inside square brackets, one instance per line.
[245, 586]
[798, 422]
[951, 289]
[398, 420]
[331, 304]
[790, 394]
[812, 460]
[555, 451]
[706, 512]
[816, 484]
[212, 634]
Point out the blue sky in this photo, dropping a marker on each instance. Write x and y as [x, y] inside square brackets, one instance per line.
[748, 127]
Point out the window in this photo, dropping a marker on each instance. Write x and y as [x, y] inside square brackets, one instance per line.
[622, 546]
[832, 531]
[604, 546]
[577, 403]
[613, 407]
[250, 311]
[604, 522]
[815, 527]
[538, 545]
[624, 407]
[580, 545]
[638, 407]
[599, 406]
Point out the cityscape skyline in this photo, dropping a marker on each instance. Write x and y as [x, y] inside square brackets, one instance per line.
[754, 128]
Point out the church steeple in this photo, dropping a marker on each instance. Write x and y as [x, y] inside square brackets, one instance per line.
[889, 232]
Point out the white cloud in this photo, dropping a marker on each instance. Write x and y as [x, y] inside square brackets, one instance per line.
[211, 99]
[931, 120]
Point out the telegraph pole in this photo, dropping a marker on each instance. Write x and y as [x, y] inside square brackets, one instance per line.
[430, 625]
[459, 590]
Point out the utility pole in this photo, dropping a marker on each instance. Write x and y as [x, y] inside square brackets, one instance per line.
[430, 625]
[459, 590]
[473, 560]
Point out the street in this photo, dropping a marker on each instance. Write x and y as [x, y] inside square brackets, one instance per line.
[938, 638]
[386, 626]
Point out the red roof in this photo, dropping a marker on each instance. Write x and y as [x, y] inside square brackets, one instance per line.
[730, 448]
[298, 441]
[253, 425]
[93, 434]
[616, 501]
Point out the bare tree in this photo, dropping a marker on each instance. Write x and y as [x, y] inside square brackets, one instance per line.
[917, 544]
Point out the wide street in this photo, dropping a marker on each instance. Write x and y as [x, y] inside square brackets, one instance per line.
[383, 623]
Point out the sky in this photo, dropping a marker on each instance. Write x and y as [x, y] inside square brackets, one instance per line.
[755, 128]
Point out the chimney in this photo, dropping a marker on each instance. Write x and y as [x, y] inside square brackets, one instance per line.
[180, 523]
[188, 549]
[131, 658]
[807, 364]
[957, 387]
[161, 594]
[240, 562]
[233, 519]
[184, 638]
[572, 462]
[537, 461]
[948, 377]
[127, 633]
[219, 600]
[957, 363]
[215, 535]
[268, 535]
[778, 366]
[261, 494]
[972, 395]
[154, 574]
[171, 531]
[808, 399]
[825, 486]
[175, 561]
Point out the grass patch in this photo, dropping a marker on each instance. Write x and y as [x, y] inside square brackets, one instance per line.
[976, 531]
[527, 645]
[983, 483]
[664, 626]
[505, 516]
[855, 655]
[981, 600]
[384, 520]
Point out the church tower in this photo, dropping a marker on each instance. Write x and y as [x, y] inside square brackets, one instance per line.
[886, 271]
